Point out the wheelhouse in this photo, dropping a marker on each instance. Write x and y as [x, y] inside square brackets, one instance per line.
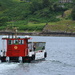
[16, 46]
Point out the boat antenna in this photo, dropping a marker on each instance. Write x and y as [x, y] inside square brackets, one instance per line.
[15, 31]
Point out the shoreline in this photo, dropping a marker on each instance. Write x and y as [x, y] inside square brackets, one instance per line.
[39, 33]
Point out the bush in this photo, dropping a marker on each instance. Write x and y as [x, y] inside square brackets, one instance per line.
[35, 6]
[3, 21]
[73, 13]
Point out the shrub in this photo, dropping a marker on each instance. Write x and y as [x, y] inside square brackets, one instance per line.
[73, 13]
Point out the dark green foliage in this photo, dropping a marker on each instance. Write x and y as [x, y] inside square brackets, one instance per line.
[74, 1]
[36, 11]
[3, 21]
[18, 12]
[73, 13]
[26, 10]
[46, 3]
[35, 6]
[6, 4]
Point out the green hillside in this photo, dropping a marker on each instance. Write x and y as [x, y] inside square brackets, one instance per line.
[30, 15]
[61, 26]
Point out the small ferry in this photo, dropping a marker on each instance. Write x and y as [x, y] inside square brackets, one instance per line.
[19, 49]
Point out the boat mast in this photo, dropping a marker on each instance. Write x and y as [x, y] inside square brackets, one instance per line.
[15, 31]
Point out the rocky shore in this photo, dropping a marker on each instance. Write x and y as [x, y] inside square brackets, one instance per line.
[39, 33]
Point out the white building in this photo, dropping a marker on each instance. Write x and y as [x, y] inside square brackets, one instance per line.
[65, 1]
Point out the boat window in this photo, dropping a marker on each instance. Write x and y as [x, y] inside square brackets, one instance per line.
[9, 42]
[38, 45]
[16, 42]
[21, 42]
[30, 46]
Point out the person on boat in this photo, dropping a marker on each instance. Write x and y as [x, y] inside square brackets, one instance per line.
[34, 47]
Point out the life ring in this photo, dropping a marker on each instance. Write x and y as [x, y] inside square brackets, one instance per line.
[15, 47]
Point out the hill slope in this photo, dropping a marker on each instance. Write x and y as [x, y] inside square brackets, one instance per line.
[29, 14]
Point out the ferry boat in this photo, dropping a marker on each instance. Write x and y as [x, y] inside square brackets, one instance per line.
[21, 50]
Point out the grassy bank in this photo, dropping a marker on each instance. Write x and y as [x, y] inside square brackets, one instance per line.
[63, 26]
[60, 26]
[24, 26]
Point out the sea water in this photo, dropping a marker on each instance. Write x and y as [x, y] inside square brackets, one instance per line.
[60, 59]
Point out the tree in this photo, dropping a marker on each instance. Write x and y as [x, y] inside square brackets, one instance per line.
[35, 6]
[73, 1]
[3, 21]
[73, 13]
[46, 3]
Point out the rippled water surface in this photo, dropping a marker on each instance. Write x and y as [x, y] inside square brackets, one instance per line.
[60, 59]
